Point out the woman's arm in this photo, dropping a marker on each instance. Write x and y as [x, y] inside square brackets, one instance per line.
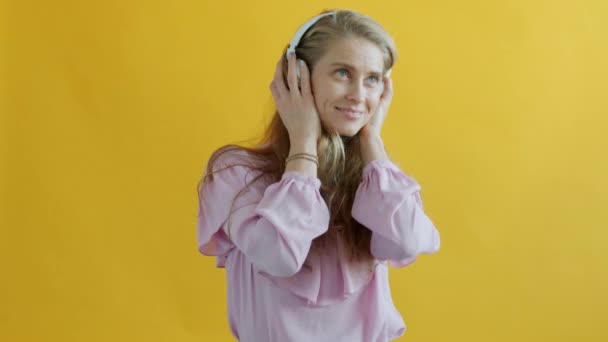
[388, 202]
[273, 227]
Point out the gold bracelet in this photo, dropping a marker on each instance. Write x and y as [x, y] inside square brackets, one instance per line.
[301, 157]
[304, 154]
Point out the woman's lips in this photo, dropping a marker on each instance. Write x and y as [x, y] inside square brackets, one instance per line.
[350, 113]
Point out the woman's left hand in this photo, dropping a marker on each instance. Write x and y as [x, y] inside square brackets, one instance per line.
[374, 125]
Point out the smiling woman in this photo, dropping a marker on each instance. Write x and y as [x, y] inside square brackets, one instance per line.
[306, 223]
[347, 82]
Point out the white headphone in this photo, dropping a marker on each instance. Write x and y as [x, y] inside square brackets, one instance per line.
[302, 30]
[300, 33]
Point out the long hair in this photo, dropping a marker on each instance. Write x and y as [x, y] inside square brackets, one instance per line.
[340, 163]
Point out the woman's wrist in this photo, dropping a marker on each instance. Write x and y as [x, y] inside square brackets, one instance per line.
[304, 166]
[305, 158]
[311, 157]
[308, 146]
[372, 148]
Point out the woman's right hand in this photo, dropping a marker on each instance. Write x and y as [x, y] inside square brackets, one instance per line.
[296, 106]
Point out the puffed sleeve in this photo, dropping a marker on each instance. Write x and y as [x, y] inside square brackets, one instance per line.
[388, 202]
[272, 226]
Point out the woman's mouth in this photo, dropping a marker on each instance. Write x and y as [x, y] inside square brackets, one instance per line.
[350, 114]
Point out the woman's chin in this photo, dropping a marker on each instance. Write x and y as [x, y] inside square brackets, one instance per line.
[349, 131]
[345, 130]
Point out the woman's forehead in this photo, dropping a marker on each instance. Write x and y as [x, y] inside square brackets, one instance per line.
[355, 53]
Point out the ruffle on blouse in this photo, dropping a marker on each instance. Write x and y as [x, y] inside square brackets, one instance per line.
[218, 245]
[212, 240]
[327, 277]
[322, 283]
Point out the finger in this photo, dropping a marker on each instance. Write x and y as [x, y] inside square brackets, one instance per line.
[292, 79]
[305, 78]
[275, 93]
[279, 85]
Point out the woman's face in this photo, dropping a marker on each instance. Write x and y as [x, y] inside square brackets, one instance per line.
[347, 84]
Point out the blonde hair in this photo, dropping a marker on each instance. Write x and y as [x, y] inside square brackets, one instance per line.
[340, 163]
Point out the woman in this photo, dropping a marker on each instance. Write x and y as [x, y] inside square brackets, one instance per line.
[306, 222]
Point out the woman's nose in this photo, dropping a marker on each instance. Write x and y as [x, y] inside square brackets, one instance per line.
[356, 91]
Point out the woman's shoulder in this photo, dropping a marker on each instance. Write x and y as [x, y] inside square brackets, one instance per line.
[231, 155]
[238, 167]
[239, 160]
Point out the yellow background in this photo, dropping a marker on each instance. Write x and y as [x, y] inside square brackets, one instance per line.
[110, 110]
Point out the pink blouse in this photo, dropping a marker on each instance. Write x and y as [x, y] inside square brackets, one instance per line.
[277, 290]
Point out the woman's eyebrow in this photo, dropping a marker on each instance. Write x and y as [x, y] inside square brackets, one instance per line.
[350, 67]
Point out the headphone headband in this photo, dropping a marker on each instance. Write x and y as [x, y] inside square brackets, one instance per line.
[302, 30]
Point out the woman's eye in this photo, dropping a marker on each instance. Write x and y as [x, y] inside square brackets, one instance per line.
[342, 73]
[374, 79]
